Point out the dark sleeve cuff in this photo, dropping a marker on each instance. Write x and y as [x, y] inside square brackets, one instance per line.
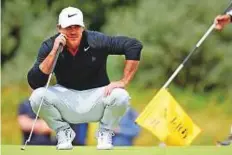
[36, 78]
[41, 74]
[134, 53]
[135, 56]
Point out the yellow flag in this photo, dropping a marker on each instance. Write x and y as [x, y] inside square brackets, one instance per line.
[164, 117]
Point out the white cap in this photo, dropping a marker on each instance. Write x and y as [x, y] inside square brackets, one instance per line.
[70, 16]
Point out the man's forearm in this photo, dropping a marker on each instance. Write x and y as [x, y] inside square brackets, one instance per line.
[130, 69]
[46, 65]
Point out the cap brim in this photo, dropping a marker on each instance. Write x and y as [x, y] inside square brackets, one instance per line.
[65, 25]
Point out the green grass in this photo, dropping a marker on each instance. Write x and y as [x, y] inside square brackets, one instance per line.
[91, 150]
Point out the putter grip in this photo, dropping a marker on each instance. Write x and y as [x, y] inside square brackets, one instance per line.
[59, 49]
[56, 57]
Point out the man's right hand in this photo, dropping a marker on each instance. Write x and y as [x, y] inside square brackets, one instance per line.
[59, 40]
[221, 21]
[46, 65]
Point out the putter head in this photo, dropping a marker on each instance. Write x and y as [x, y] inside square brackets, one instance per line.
[24, 147]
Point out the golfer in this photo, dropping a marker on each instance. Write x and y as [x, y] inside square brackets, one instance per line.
[83, 92]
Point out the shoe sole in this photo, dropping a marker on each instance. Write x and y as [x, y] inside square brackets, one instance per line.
[105, 148]
[66, 148]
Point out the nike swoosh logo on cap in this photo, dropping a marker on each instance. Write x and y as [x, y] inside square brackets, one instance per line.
[71, 15]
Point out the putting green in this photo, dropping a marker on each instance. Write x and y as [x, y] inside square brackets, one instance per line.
[91, 150]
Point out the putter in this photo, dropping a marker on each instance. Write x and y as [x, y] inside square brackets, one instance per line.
[46, 87]
[193, 50]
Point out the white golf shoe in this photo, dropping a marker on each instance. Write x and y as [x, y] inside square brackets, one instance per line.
[104, 139]
[65, 138]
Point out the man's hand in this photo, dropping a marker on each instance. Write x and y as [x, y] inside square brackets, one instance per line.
[59, 40]
[129, 71]
[46, 65]
[112, 85]
[221, 21]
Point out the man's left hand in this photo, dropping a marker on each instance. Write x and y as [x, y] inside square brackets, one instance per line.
[112, 85]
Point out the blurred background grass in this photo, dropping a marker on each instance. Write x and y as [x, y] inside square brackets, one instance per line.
[168, 30]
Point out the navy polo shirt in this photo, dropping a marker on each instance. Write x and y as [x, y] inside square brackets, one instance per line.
[87, 69]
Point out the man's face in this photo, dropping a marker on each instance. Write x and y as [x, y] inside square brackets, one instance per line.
[72, 33]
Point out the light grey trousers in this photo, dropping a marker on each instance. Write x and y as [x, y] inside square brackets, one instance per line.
[62, 106]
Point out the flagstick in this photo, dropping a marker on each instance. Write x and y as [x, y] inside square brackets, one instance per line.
[187, 58]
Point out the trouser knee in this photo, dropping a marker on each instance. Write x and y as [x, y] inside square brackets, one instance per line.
[38, 95]
[120, 99]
